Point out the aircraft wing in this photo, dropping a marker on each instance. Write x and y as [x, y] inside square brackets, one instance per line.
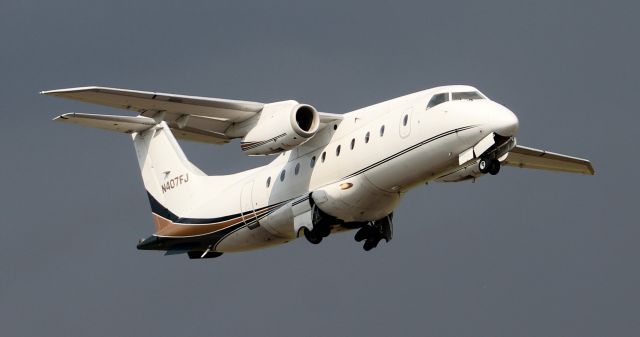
[527, 157]
[195, 118]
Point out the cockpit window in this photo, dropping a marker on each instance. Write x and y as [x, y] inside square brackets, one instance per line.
[466, 95]
[438, 99]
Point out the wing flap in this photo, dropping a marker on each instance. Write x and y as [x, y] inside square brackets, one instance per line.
[527, 157]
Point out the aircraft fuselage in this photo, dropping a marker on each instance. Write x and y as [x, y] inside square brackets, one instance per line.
[355, 171]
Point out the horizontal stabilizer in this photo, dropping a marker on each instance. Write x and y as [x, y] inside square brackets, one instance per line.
[125, 124]
[527, 157]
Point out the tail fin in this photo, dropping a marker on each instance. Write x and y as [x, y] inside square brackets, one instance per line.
[174, 185]
[172, 182]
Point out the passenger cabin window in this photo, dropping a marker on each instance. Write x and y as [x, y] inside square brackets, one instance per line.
[366, 137]
[313, 162]
[282, 175]
[297, 170]
[438, 99]
[268, 182]
[353, 143]
[382, 131]
[338, 151]
[324, 155]
[466, 95]
[405, 119]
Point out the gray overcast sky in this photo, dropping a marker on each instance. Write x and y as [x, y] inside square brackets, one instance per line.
[525, 253]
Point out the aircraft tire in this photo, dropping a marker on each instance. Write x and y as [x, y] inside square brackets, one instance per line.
[362, 233]
[312, 236]
[484, 165]
[494, 167]
[324, 230]
[371, 243]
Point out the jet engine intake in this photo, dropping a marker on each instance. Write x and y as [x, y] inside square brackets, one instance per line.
[280, 126]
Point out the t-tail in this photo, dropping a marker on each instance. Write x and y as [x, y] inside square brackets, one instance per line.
[174, 185]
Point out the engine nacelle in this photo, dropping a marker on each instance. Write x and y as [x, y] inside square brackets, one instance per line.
[280, 126]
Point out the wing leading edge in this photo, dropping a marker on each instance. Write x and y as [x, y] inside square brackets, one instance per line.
[527, 157]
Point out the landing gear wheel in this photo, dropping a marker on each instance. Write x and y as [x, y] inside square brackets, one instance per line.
[324, 231]
[362, 233]
[484, 165]
[494, 168]
[322, 224]
[312, 236]
[371, 243]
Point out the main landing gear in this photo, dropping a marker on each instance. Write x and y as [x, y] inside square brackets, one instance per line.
[321, 226]
[374, 231]
[489, 165]
[370, 232]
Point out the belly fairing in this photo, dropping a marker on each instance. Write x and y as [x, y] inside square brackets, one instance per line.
[355, 199]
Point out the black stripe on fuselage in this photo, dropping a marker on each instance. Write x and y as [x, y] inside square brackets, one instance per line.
[300, 201]
[409, 149]
[203, 241]
[159, 209]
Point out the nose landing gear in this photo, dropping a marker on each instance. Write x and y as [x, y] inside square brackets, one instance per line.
[489, 165]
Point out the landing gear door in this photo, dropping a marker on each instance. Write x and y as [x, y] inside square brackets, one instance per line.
[405, 123]
[246, 205]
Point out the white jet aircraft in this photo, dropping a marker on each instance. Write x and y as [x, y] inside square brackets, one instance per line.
[332, 172]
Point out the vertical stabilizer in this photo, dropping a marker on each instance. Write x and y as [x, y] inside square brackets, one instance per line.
[172, 182]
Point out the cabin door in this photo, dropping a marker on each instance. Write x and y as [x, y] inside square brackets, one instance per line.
[246, 205]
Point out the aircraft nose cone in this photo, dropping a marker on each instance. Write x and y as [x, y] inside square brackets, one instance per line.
[505, 122]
